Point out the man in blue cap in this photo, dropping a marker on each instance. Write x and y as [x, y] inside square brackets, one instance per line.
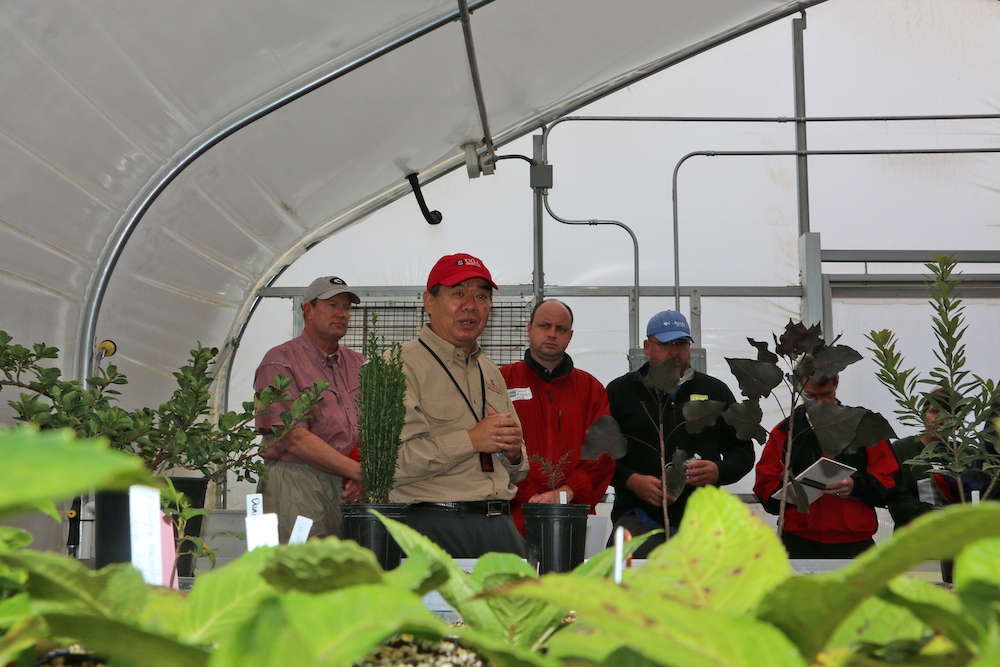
[715, 455]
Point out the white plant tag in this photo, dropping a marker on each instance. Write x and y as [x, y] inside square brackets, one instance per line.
[562, 497]
[300, 533]
[255, 504]
[144, 522]
[262, 531]
[925, 491]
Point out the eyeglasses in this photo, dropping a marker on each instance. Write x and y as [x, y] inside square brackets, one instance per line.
[678, 344]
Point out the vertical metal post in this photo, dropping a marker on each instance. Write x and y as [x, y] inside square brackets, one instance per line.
[828, 333]
[538, 194]
[811, 276]
[801, 161]
[699, 358]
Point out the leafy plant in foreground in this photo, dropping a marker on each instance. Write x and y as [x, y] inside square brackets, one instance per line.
[966, 441]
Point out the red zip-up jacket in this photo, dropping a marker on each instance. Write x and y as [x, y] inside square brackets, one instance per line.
[555, 416]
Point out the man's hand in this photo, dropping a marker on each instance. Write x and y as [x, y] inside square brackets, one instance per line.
[841, 489]
[647, 488]
[497, 432]
[552, 497]
[702, 473]
[353, 492]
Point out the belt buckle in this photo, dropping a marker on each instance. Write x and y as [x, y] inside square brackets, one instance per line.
[494, 508]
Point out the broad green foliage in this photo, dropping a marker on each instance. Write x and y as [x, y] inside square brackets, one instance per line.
[124, 643]
[322, 565]
[721, 559]
[40, 468]
[381, 411]
[809, 609]
[977, 580]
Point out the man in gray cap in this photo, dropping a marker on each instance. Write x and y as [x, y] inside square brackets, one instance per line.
[716, 456]
[307, 468]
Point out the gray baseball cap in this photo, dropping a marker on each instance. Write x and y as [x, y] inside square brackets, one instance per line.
[327, 286]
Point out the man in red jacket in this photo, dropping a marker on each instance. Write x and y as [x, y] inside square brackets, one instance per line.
[556, 403]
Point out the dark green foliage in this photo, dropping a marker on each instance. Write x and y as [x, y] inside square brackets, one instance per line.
[381, 411]
[966, 436]
[675, 474]
[745, 418]
[756, 378]
[179, 433]
[835, 426]
[663, 377]
[603, 437]
[554, 473]
[699, 415]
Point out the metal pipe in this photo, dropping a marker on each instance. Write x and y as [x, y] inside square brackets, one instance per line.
[802, 161]
[477, 84]
[537, 200]
[222, 130]
[633, 311]
[902, 151]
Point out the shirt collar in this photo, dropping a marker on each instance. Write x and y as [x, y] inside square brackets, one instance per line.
[446, 350]
[314, 351]
[562, 369]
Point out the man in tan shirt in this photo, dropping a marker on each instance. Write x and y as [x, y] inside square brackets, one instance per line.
[462, 452]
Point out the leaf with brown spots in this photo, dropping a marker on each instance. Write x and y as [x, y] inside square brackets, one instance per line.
[718, 536]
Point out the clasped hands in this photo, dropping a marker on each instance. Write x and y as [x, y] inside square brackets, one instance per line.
[497, 432]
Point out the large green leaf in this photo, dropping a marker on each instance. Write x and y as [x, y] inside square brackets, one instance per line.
[14, 538]
[357, 619]
[225, 597]
[663, 629]
[42, 467]
[722, 558]
[809, 609]
[663, 377]
[745, 418]
[603, 437]
[324, 565]
[938, 608]
[977, 581]
[756, 378]
[699, 415]
[835, 426]
[876, 621]
[116, 591]
[164, 611]
[419, 573]
[502, 654]
[124, 644]
[518, 618]
[265, 639]
[458, 590]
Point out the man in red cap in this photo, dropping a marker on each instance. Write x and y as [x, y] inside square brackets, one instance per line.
[462, 452]
[307, 467]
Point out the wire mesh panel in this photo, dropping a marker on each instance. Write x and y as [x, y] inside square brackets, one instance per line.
[503, 341]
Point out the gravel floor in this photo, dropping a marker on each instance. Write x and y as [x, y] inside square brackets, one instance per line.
[407, 651]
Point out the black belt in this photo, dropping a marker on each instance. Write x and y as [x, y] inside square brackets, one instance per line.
[485, 507]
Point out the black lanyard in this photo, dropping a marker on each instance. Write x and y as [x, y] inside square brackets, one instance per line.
[485, 460]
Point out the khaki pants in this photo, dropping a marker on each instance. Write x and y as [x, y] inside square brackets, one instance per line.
[296, 488]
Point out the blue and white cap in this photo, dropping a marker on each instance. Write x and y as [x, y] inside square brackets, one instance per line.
[667, 326]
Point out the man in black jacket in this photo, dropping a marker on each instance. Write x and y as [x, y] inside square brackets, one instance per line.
[719, 456]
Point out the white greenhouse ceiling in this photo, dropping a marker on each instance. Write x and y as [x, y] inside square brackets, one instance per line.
[148, 191]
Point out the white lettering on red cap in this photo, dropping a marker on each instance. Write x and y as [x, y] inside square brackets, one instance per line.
[471, 261]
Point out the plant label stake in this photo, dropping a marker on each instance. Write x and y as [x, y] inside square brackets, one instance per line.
[300, 532]
[262, 531]
[562, 497]
[144, 522]
[255, 504]
[619, 547]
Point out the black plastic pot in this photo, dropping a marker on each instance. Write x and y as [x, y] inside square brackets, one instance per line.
[556, 535]
[364, 528]
[194, 488]
[947, 571]
[112, 532]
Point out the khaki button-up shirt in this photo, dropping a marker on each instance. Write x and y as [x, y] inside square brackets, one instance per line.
[436, 461]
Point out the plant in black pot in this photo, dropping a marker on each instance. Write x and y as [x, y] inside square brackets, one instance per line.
[556, 533]
[381, 412]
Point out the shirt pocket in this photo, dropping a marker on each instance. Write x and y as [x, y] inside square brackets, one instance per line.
[443, 411]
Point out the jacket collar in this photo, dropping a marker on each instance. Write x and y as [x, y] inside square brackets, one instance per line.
[564, 368]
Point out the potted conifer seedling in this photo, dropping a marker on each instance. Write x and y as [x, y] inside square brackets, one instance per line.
[380, 421]
[556, 533]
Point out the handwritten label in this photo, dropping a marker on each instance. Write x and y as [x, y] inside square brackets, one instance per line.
[300, 533]
[519, 393]
[144, 522]
[262, 531]
[255, 504]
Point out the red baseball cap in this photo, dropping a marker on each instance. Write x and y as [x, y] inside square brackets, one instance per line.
[453, 269]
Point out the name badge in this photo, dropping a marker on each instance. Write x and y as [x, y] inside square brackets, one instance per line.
[699, 397]
[520, 393]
